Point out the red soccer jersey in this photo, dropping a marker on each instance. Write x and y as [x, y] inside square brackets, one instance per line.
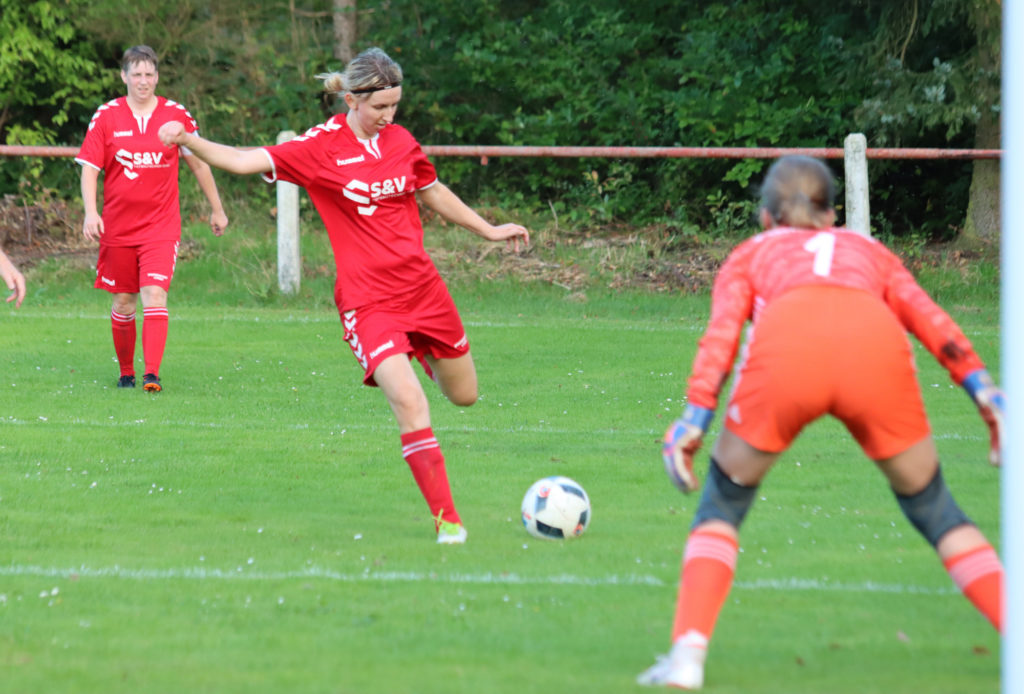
[771, 263]
[364, 191]
[140, 180]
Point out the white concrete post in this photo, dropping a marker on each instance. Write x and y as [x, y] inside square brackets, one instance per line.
[858, 209]
[289, 259]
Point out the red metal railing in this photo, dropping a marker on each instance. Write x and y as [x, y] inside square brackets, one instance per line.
[487, 151]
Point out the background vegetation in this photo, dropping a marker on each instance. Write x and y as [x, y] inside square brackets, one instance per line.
[551, 72]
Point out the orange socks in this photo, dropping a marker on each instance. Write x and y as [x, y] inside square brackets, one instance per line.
[978, 574]
[709, 563]
[423, 454]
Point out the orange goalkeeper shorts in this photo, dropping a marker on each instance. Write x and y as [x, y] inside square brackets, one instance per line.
[820, 350]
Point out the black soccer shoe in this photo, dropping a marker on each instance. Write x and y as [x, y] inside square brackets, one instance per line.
[126, 382]
[151, 384]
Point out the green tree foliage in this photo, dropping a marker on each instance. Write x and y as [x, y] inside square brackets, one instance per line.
[929, 76]
[50, 79]
[48, 72]
[559, 72]
[244, 69]
[930, 84]
[609, 73]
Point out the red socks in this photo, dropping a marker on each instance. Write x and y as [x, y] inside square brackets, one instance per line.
[423, 454]
[978, 574]
[123, 329]
[154, 337]
[709, 563]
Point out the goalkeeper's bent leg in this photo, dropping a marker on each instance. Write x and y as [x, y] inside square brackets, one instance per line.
[709, 561]
[932, 510]
[723, 499]
[978, 574]
[971, 561]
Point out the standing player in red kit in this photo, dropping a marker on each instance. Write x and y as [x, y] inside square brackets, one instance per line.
[364, 174]
[141, 223]
[829, 311]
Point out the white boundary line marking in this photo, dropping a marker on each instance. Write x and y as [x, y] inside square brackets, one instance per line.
[791, 584]
[654, 325]
[187, 315]
[386, 428]
[794, 584]
[199, 573]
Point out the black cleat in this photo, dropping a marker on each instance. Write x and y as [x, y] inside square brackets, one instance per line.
[151, 384]
[126, 382]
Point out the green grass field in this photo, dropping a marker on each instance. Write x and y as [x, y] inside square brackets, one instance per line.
[254, 529]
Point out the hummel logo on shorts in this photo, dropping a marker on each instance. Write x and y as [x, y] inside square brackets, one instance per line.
[387, 345]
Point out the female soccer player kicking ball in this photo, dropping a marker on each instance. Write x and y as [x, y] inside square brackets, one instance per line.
[830, 309]
[363, 173]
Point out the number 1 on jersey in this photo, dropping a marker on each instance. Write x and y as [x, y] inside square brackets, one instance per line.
[823, 246]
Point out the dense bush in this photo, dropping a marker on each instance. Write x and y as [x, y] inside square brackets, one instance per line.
[557, 72]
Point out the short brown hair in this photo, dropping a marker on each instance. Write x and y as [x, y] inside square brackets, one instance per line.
[138, 54]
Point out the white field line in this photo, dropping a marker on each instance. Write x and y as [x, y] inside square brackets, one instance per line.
[382, 428]
[388, 428]
[383, 577]
[373, 428]
[601, 324]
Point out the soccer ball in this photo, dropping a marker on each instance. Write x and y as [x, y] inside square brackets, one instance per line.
[556, 508]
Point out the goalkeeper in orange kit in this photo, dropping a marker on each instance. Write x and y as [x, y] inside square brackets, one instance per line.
[829, 311]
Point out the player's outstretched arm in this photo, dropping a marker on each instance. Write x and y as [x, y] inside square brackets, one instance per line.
[233, 159]
[442, 200]
[991, 405]
[14, 280]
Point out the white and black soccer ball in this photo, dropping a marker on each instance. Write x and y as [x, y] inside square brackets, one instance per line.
[556, 508]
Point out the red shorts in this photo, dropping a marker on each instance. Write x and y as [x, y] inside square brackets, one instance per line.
[828, 350]
[124, 269]
[421, 323]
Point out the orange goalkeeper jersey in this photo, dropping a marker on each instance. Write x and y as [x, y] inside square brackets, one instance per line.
[771, 263]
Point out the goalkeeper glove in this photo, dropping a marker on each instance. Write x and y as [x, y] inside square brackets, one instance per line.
[682, 440]
[991, 404]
